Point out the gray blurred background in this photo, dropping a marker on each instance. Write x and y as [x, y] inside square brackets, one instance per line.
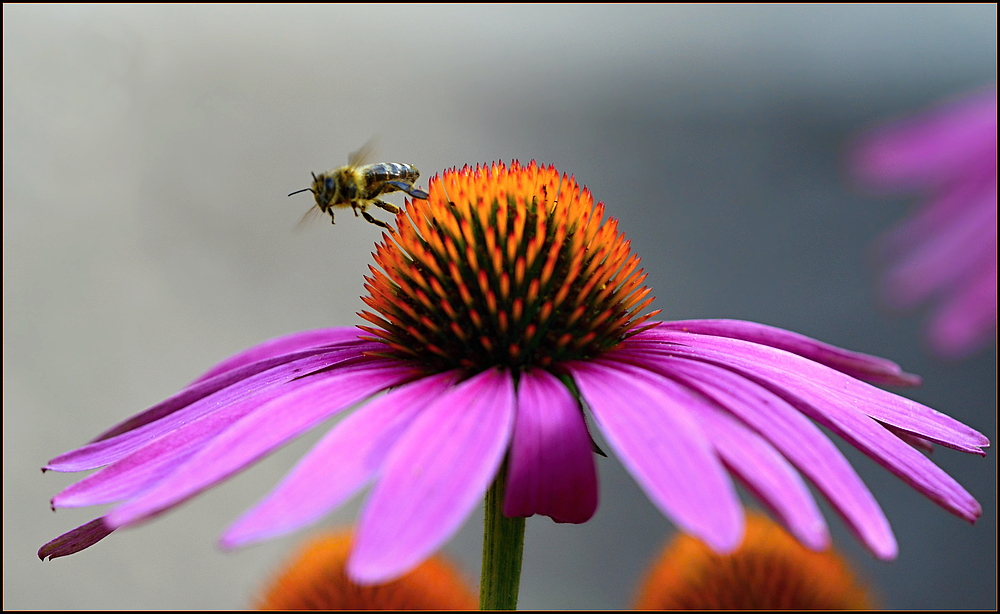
[147, 235]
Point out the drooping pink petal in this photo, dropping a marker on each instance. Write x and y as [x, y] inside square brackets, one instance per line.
[76, 540]
[766, 473]
[789, 432]
[106, 451]
[339, 465]
[433, 477]
[843, 410]
[654, 436]
[160, 457]
[257, 434]
[879, 404]
[964, 322]
[295, 342]
[855, 364]
[551, 463]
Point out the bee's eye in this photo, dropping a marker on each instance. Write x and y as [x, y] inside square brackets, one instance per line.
[328, 183]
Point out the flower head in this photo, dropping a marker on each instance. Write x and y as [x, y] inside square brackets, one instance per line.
[947, 250]
[505, 305]
[769, 571]
[315, 579]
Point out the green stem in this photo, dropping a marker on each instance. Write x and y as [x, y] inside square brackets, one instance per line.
[503, 546]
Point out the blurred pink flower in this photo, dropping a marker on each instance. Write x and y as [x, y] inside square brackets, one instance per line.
[506, 304]
[946, 252]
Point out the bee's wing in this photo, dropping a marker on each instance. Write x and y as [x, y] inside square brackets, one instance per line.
[365, 155]
[308, 218]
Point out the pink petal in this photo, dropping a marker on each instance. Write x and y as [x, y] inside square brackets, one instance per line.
[842, 408]
[433, 478]
[923, 149]
[197, 401]
[768, 475]
[951, 203]
[233, 376]
[340, 464]
[915, 441]
[966, 242]
[647, 421]
[786, 367]
[788, 431]
[258, 434]
[127, 476]
[295, 342]
[76, 540]
[551, 463]
[856, 364]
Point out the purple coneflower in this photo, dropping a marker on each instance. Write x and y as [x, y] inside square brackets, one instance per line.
[947, 250]
[504, 305]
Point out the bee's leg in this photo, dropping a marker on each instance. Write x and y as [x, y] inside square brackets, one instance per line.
[375, 221]
[409, 189]
[354, 206]
[381, 204]
[331, 217]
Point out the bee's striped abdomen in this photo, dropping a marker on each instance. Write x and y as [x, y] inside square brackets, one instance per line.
[390, 171]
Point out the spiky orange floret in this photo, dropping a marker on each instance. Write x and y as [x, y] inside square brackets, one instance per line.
[499, 266]
[315, 579]
[769, 571]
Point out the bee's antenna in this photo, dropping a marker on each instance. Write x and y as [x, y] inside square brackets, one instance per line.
[302, 190]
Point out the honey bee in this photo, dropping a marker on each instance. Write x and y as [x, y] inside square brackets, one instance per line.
[359, 184]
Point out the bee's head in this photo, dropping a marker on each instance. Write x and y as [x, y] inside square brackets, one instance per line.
[324, 187]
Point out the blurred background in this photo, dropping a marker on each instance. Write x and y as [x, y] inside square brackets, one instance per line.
[147, 234]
